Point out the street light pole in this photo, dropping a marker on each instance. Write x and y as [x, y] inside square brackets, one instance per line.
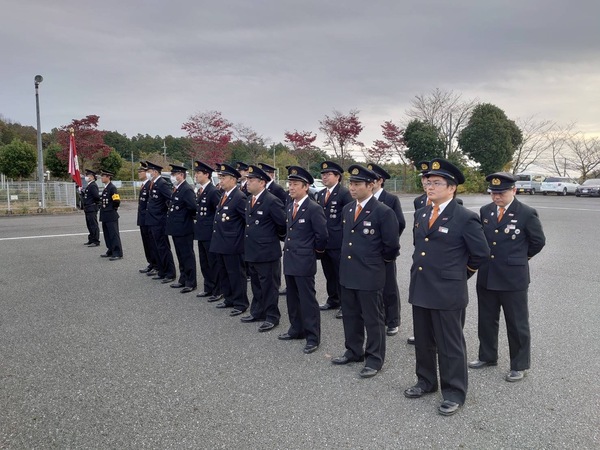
[38, 79]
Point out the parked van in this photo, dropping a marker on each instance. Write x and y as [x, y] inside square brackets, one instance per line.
[529, 182]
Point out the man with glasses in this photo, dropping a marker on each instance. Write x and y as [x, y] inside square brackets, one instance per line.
[515, 235]
[449, 248]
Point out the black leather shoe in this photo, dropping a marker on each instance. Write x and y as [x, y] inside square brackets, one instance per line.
[448, 408]
[215, 298]
[115, 258]
[481, 364]
[514, 375]
[327, 307]
[416, 392]
[339, 314]
[177, 285]
[287, 337]
[104, 255]
[411, 340]
[249, 318]
[368, 372]
[266, 326]
[236, 312]
[341, 360]
[152, 273]
[223, 305]
[187, 289]
[310, 348]
[94, 244]
[158, 277]
[391, 331]
[203, 294]
[88, 243]
[167, 280]
[145, 270]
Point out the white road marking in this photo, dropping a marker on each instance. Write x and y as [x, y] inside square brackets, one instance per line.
[55, 235]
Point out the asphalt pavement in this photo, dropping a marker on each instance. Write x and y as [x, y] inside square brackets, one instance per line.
[95, 355]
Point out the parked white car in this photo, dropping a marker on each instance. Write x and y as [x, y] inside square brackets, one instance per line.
[559, 186]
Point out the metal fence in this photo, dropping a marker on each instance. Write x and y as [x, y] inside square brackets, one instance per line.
[26, 197]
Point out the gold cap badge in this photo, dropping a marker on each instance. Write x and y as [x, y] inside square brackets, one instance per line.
[496, 181]
[294, 172]
[222, 167]
[355, 171]
[196, 164]
[370, 167]
[324, 166]
[424, 166]
[250, 169]
[435, 165]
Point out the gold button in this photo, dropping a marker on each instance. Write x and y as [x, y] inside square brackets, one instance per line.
[349, 257]
[351, 231]
[422, 253]
[493, 243]
[350, 244]
[495, 231]
[492, 256]
[426, 239]
[420, 268]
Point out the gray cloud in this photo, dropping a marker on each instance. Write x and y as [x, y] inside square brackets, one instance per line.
[145, 66]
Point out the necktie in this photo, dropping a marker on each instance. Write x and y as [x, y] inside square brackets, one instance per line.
[253, 201]
[327, 196]
[428, 201]
[223, 200]
[500, 213]
[357, 212]
[151, 185]
[434, 216]
[200, 191]
[295, 210]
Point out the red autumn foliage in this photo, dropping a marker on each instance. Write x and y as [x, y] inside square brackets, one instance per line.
[210, 134]
[88, 139]
[341, 132]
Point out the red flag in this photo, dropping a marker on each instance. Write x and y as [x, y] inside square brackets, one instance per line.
[73, 162]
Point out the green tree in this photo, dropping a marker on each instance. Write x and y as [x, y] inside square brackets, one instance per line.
[112, 163]
[18, 159]
[120, 142]
[423, 141]
[57, 166]
[490, 138]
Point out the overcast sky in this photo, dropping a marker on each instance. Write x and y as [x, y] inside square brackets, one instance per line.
[277, 65]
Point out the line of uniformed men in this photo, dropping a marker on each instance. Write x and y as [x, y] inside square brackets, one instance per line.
[355, 233]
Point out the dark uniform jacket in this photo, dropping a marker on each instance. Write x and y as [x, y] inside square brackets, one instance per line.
[340, 196]
[143, 204]
[207, 203]
[182, 210]
[518, 237]
[420, 201]
[306, 233]
[229, 225]
[278, 192]
[265, 228]
[90, 197]
[110, 204]
[438, 276]
[393, 202]
[158, 203]
[367, 244]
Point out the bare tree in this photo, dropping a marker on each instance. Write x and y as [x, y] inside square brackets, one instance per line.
[250, 141]
[585, 154]
[557, 140]
[536, 143]
[446, 111]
